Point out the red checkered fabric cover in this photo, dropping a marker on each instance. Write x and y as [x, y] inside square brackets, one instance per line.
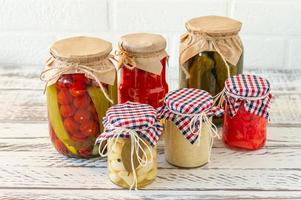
[182, 105]
[251, 90]
[141, 118]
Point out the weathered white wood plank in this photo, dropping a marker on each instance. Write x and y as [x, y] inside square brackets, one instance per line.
[12, 194]
[20, 77]
[167, 179]
[30, 106]
[222, 158]
[281, 80]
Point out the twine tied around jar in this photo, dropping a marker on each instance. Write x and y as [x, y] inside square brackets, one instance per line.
[125, 59]
[52, 73]
[136, 147]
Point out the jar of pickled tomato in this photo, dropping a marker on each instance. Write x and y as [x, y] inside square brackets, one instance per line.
[132, 131]
[246, 116]
[188, 131]
[80, 87]
[142, 62]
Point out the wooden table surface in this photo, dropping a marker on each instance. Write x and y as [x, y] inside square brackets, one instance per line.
[30, 168]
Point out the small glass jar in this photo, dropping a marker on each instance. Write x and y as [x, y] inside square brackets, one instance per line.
[142, 69]
[76, 103]
[119, 164]
[188, 130]
[131, 131]
[246, 126]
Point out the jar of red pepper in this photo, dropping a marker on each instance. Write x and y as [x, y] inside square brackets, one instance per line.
[142, 62]
[246, 116]
[80, 87]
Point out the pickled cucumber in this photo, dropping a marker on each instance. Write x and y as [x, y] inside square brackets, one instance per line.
[56, 119]
[100, 102]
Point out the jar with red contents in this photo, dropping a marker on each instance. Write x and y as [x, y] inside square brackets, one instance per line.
[142, 62]
[80, 87]
[246, 116]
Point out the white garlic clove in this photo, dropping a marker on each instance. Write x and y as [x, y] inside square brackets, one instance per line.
[142, 170]
[127, 177]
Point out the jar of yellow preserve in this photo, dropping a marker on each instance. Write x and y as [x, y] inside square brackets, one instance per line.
[132, 131]
[188, 131]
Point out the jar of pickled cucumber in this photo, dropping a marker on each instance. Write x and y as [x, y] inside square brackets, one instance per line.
[210, 52]
[248, 100]
[132, 131]
[80, 87]
[142, 62]
[188, 131]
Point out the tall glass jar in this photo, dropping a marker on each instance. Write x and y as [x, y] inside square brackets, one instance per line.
[246, 114]
[142, 59]
[188, 131]
[132, 131]
[80, 87]
[210, 52]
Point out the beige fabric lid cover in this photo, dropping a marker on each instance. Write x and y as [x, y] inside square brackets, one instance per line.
[80, 48]
[213, 25]
[145, 51]
[88, 55]
[212, 33]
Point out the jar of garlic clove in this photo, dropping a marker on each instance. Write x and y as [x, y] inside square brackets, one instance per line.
[132, 131]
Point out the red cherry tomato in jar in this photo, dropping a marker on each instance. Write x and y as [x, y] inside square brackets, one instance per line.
[81, 102]
[91, 109]
[79, 81]
[65, 81]
[71, 125]
[89, 128]
[64, 97]
[81, 116]
[67, 110]
[77, 92]
[78, 137]
[85, 152]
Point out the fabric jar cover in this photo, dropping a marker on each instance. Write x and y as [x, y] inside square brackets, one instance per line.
[186, 107]
[143, 51]
[88, 55]
[141, 118]
[251, 90]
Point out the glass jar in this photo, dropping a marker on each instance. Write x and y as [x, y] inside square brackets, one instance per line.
[75, 100]
[131, 131]
[188, 130]
[246, 126]
[186, 155]
[210, 52]
[119, 164]
[244, 130]
[142, 69]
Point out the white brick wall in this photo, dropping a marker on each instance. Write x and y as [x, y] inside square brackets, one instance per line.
[271, 28]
